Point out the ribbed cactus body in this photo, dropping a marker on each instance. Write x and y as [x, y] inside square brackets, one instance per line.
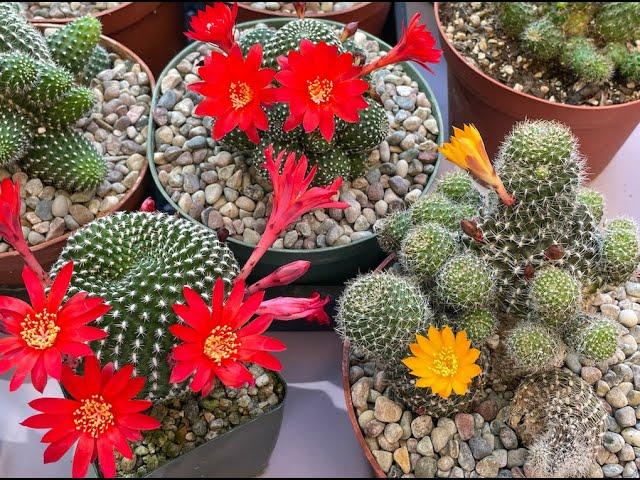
[392, 229]
[72, 46]
[436, 208]
[53, 83]
[532, 347]
[593, 336]
[65, 159]
[71, 107]
[465, 282]
[380, 313]
[425, 249]
[593, 200]
[17, 35]
[555, 297]
[254, 36]
[479, 324]
[18, 73]
[15, 134]
[542, 39]
[458, 186]
[619, 251]
[618, 21]
[515, 16]
[331, 164]
[139, 263]
[368, 132]
[98, 62]
[582, 57]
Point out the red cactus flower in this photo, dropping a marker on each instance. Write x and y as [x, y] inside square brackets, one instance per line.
[11, 230]
[416, 45]
[292, 198]
[319, 83]
[235, 90]
[100, 415]
[40, 333]
[217, 341]
[284, 275]
[289, 308]
[215, 25]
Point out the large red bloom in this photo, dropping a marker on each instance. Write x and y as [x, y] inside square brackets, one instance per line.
[319, 83]
[40, 333]
[292, 198]
[235, 90]
[100, 416]
[215, 25]
[293, 308]
[218, 340]
[416, 45]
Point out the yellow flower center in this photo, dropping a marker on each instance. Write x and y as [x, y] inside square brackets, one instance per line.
[240, 94]
[320, 90]
[445, 363]
[94, 416]
[40, 331]
[222, 343]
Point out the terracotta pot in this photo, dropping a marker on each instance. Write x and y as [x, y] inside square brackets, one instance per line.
[493, 107]
[346, 388]
[371, 16]
[47, 253]
[153, 30]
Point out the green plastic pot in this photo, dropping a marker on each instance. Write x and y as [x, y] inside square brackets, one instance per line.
[330, 265]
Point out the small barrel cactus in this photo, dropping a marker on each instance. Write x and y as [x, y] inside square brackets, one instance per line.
[620, 251]
[465, 282]
[593, 336]
[555, 296]
[425, 249]
[532, 347]
[479, 324]
[392, 229]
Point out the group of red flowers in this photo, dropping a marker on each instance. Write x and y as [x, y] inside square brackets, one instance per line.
[100, 413]
[317, 82]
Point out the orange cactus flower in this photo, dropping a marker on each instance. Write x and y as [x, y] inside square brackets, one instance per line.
[466, 150]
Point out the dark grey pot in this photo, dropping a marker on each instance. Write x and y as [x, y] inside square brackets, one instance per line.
[330, 265]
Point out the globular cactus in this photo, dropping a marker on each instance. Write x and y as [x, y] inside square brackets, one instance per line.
[98, 62]
[380, 313]
[425, 249]
[73, 46]
[331, 164]
[250, 37]
[585, 39]
[593, 200]
[479, 324]
[620, 256]
[436, 208]
[139, 263]
[40, 100]
[592, 336]
[459, 187]
[465, 282]
[368, 132]
[532, 348]
[555, 297]
[561, 421]
[392, 229]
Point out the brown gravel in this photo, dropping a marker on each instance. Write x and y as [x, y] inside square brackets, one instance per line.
[474, 30]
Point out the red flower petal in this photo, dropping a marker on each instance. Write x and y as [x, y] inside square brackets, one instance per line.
[105, 457]
[53, 363]
[180, 372]
[56, 450]
[59, 287]
[54, 406]
[266, 360]
[39, 375]
[15, 305]
[119, 441]
[234, 375]
[137, 421]
[258, 342]
[257, 326]
[35, 289]
[23, 367]
[116, 384]
[83, 456]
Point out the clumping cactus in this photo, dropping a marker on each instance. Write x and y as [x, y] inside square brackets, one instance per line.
[458, 186]
[436, 208]
[479, 324]
[585, 39]
[40, 101]
[425, 249]
[138, 263]
[593, 336]
[465, 282]
[392, 229]
[532, 347]
[561, 421]
[380, 313]
[555, 296]
[620, 251]
[593, 200]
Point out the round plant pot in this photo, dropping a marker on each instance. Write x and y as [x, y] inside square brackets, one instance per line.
[370, 16]
[47, 253]
[493, 107]
[329, 265]
[346, 388]
[139, 26]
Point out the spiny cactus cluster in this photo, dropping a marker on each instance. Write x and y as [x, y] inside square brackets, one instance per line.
[590, 40]
[138, 263]
[41, 99]
[560, 420]
[533, 261]
[346, 154]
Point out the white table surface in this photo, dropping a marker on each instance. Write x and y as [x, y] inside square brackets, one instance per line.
[316, 439]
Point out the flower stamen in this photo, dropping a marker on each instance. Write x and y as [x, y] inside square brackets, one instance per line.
[40, 331]
[94, 417]
[320, 90]
[240, 94]
[445, 363]
[221, 344]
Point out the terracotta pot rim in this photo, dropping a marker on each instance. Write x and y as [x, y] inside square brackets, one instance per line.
[62, 21]
[309, 15]
[509, 90]
[125, 52]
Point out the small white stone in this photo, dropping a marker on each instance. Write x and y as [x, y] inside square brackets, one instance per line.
[628, 318]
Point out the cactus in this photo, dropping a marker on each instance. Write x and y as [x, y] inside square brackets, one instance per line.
[532, 347]
[368, 132]
[436, 208]
[593, 200]
[380, 313]
[253, 36]
[71, 47]
[65, 159]
[331, 164]
[560, 420]
[555, 296]
[479, 324]
[465, 282]
[425, 249]
[585, 39]
[98, 62]
[593, 336]
[139, 262]
[619, 251]
[392, 229]
[40, 102]
[458, 187]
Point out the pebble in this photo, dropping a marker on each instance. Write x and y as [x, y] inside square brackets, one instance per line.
[387, 410]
